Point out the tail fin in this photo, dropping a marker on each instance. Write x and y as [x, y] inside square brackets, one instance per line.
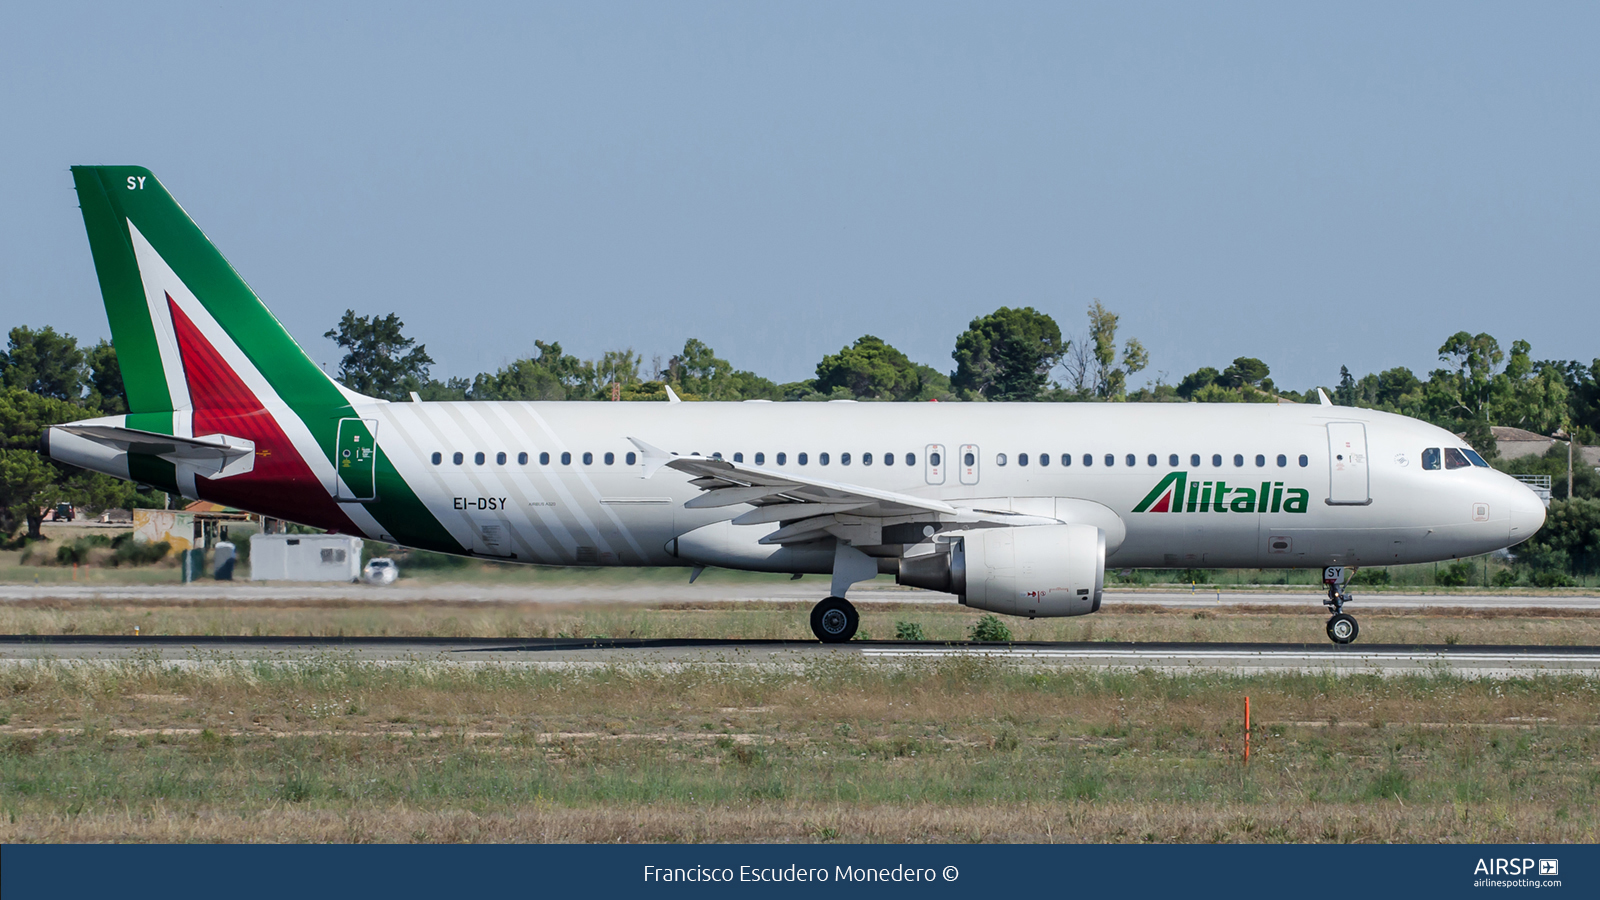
[159, 275]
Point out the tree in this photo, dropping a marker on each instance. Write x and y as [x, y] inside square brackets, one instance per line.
[1111, 380]
[1007, 355]
[1246, 371]
[870, 370]
[44, 362]
[700, 374]
[105, 380]
[29, 483]
[380, 360]
[1194, 381]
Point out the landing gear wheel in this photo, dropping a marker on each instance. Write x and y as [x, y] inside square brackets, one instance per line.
[1342, 629]
[834, 620]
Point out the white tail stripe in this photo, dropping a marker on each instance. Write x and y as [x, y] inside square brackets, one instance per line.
[154, 273]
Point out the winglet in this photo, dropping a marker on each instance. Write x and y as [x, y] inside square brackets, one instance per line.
[1323, 396]
[671, 398]
[651, 457]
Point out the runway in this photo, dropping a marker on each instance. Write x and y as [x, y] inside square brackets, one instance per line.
[565, 653]
[658, 591]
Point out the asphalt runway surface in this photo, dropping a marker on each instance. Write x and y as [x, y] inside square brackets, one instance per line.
[655, 592]
[576, 653]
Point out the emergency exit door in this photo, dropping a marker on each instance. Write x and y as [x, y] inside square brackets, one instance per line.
[967, 463]
[933, 463]
[1349, 481]
[355, 459]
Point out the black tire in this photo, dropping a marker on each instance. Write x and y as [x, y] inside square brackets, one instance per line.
[834, 620]
[1342, 629]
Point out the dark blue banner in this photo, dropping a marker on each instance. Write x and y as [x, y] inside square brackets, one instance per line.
[342, 872]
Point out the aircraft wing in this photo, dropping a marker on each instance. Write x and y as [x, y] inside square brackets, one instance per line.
[810, 508]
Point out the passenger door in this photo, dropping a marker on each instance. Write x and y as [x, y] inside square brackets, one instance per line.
[1349, 482]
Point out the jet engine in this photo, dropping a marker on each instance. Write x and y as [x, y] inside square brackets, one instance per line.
[1037, 570]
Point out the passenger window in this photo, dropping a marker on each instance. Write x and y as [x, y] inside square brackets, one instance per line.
[544, 459]
[1238, 460]
[1172, 460]
[477, 458]
[999, 459]
[1455, 459]
[566, 458]
[1304, 461]
[1022, 459]
[1131, 460]
[761, 458]
[971, 460]
[610, 458]
[631, 458]
[456, 457]
[1151, 460]
[783, 459]
[844, 459]
[822, 459]
[438, 458]
[1261, 461]
[1477, 460]
[1194, 460]
[717, 455]
[866, 459]
[1216, 460]
[1066, 459]
[588, 458]
[522, 459]
[911, 459]
[1044, 459]
[801, 459]
[738, 457]
[1088, 460]
[1111, 460]
[1282, 460]
[500, 458]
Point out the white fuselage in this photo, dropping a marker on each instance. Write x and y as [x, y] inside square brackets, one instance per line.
[1389, 509]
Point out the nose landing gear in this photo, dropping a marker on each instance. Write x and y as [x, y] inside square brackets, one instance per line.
[834, 620]
[1342, 628]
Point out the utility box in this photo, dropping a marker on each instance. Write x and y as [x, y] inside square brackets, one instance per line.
[305, 557]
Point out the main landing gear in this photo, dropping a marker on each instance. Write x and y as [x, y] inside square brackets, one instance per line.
[834, 620]
[1342, 627]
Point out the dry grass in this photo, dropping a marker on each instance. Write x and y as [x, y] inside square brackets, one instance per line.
[1548, 626]
[953, 750]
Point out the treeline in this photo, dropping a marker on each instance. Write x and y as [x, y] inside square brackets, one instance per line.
[1011, 354]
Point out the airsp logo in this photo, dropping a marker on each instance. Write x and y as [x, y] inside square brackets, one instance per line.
[1549, 867]
[1513, 866]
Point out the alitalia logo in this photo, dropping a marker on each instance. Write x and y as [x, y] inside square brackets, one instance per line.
[1176, 493]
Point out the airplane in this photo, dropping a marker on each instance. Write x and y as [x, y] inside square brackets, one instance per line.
[1014, 508]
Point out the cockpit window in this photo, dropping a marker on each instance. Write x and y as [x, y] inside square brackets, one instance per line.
[1477, 460]
[1455, 459]
[1430, 458]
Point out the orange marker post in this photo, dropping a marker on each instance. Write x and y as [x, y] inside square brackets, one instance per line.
[1247, 730]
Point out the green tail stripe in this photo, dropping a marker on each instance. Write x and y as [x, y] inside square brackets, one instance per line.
[123, 291]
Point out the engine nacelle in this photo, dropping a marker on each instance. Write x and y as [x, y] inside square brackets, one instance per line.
[1037, 570]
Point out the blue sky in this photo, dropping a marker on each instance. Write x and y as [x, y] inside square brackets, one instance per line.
[1314, 185]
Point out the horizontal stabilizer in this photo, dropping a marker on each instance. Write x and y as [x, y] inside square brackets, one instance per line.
[209, 455]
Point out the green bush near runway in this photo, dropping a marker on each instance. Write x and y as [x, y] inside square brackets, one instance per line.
[826, 749]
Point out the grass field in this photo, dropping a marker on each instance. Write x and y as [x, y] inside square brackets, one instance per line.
[1549, 626]
[956, 750]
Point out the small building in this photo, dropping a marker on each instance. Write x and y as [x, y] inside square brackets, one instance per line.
[1515, 443]
[305, 557]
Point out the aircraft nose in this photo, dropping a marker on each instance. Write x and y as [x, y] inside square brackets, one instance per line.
[1527, 514]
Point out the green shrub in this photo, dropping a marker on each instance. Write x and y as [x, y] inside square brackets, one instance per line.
[909, 631]
[1505, 578]
[990, 628]
[78, 550]
[1457, 574]
[1372, 577]
[1552, 578]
